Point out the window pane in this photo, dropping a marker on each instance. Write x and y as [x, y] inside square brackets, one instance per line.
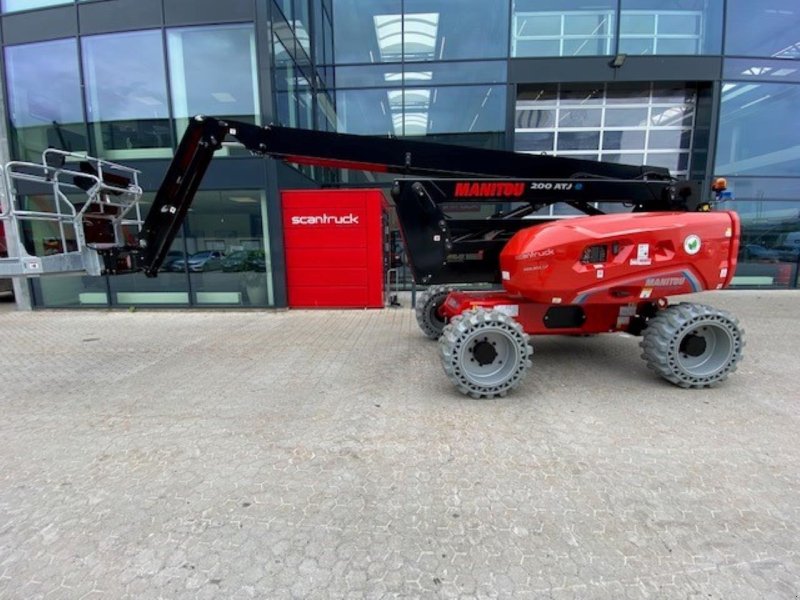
[772, 70]
[126, 94]
[171, 287]
[637, 46]
[422, 111]
[15, 5]
[44, 116]
[617, 117]
[535, 119]
[669, 139]
[228, 262]
[623, 140]
[673, 161]
[481, 109]
[213, 72]
[368, 112]
[626, 117]
[770, 247]
[367, 31]
[578, 117]
[671, 26]
[534, 142]
[578, 140]
[463, 29]
[759, 133]
[538, 25]
[638, 23]
[763, 28]
[562, 28]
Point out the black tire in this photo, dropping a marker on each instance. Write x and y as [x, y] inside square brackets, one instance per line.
[428, 303]
[693, 345]
[485, 353]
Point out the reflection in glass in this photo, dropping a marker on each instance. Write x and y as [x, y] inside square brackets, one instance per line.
[17, 5]
[213, 72]
[422, 111]
[44, 116]
[759, 133]
[169, 288]
[618, 120]
[767, 28]
[228, 261]
[372, 31]
[126, 94]
[670, 27]
[769, 210]
[563, 28]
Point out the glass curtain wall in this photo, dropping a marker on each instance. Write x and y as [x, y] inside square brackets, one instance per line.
[670, 27]
[633, 124]
[563, 27]
[767, 28]
[758, 146]
[398, 69]
[588, 28]
[17, 5]
[126, 95]
[213, 71]
[44, 98]
[221, 258]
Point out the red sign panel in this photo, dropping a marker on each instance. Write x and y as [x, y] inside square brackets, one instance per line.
[334, 248]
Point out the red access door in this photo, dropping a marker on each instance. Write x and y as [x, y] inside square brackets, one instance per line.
[334, 248]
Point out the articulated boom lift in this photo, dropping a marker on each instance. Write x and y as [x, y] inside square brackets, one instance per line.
[605, 271]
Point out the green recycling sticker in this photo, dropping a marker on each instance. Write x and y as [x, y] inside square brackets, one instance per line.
[692, 244]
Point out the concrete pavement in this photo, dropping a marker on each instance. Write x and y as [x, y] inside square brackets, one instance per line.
[303, 454]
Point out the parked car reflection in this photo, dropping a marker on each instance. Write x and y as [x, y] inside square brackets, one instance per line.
[170, 258]
[245, 260]
[208, 260]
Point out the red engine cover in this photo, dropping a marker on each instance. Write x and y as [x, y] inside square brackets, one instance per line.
[621, 258]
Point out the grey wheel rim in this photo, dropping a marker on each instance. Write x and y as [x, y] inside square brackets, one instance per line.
[705, 349]
[490, 357]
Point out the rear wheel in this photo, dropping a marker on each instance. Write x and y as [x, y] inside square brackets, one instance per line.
[428, 318]
[693, 345]
[485, 353]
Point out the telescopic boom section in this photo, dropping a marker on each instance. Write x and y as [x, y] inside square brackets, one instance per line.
[205, 135]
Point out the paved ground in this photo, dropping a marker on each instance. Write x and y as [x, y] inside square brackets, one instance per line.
[324, 454]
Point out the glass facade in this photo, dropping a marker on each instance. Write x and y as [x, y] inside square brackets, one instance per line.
[443, 70]
[563, 28]
[670, 27]
[126, 95]
[763, 28]
[17, 5]
[634, 124]
[213, 71]
[221, 258]
[43, 116]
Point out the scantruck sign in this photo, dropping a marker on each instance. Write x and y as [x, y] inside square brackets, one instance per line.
[334, 248]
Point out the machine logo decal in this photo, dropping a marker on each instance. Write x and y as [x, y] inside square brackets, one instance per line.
[325, 219]
[536, 254]
[691, 244]
[665, 281]
[465, 189]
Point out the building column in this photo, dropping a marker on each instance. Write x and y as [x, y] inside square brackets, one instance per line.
[22, 289]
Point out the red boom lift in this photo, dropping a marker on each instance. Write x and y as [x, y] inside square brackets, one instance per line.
[607, 271]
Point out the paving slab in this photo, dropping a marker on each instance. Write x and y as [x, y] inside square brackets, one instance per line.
[324, 454]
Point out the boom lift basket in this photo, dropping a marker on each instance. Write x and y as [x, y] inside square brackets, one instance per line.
[82, 232]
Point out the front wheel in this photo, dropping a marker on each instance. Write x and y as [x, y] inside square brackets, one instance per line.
[485, 353]
[693, 345]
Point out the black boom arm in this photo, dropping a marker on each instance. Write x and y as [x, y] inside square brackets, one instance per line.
[205, 135]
